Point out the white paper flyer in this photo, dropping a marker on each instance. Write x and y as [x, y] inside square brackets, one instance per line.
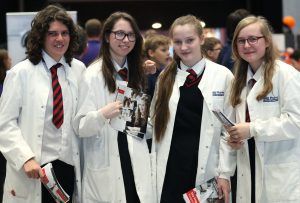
[53, 186]
[134, 113]
[222, 118]
[205, 192]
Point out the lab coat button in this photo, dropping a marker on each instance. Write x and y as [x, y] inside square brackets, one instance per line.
[206, 147]
[212, 125]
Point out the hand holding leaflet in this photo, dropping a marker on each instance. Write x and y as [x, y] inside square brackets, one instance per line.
[203, 192]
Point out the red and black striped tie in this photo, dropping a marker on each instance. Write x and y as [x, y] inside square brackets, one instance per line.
[192, 78]
[123, 73]
[58, 108]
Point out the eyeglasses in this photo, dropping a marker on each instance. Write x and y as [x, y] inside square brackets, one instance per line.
[56, 34]
[251, 40]
[218, 49]
[120, 35]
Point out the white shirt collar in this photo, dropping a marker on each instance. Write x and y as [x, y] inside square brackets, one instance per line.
[117, 67]
[49, 61]
[198, 67]
[256, 76]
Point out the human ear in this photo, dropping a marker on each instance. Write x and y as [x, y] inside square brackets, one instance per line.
[150, 53]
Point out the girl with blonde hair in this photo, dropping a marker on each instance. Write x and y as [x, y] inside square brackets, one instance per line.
[187, 136]
[266, 134]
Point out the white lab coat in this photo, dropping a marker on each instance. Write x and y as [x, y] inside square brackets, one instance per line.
[214, 86]
[275, 125]
[102, 174]
[22, 114]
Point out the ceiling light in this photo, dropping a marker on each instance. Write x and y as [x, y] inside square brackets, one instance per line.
[202, 23]
[156, 25]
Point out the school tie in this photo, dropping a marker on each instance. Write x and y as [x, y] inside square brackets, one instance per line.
[251, 146]
[123, 73]
[58, 109]
[192, 78]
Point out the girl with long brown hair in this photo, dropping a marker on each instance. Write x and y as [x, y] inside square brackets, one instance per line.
[116, 165]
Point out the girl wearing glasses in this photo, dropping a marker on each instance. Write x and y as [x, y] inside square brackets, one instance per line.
[187, 135]
[116, 165]
[266, 96]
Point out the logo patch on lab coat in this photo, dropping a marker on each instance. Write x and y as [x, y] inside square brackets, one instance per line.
[270, 99]
[218, 93]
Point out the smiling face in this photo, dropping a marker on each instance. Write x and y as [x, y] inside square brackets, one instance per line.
[57, 40]
[119, 49]
[253, 53]
[187, 44]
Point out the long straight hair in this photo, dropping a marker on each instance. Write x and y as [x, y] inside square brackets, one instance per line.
[134, 58]
[166, 81]
[241, 66]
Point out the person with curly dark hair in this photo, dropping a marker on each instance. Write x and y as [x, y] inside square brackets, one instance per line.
[37, 105]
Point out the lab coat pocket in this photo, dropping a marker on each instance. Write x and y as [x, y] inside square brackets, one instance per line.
[282, 182]
[97, 185]
[18, 184]
[270, 109]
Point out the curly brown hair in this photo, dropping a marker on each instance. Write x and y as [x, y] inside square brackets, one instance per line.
[39, 28]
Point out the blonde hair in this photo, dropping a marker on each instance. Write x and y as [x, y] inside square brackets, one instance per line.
[241, 66]
[153, 42]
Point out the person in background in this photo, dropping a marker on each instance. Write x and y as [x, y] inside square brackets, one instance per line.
[156, 48]
[188, 89]
[116, 165]
[93, 30]
[37, 105]
[225, 57]
[266, 133]
[5, 65]
[149, 33]
[295, 58]
[211, 48]
[82, 41]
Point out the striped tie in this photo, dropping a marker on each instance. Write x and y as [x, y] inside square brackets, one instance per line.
[123, 73]
[58, 109]
[192, 78]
